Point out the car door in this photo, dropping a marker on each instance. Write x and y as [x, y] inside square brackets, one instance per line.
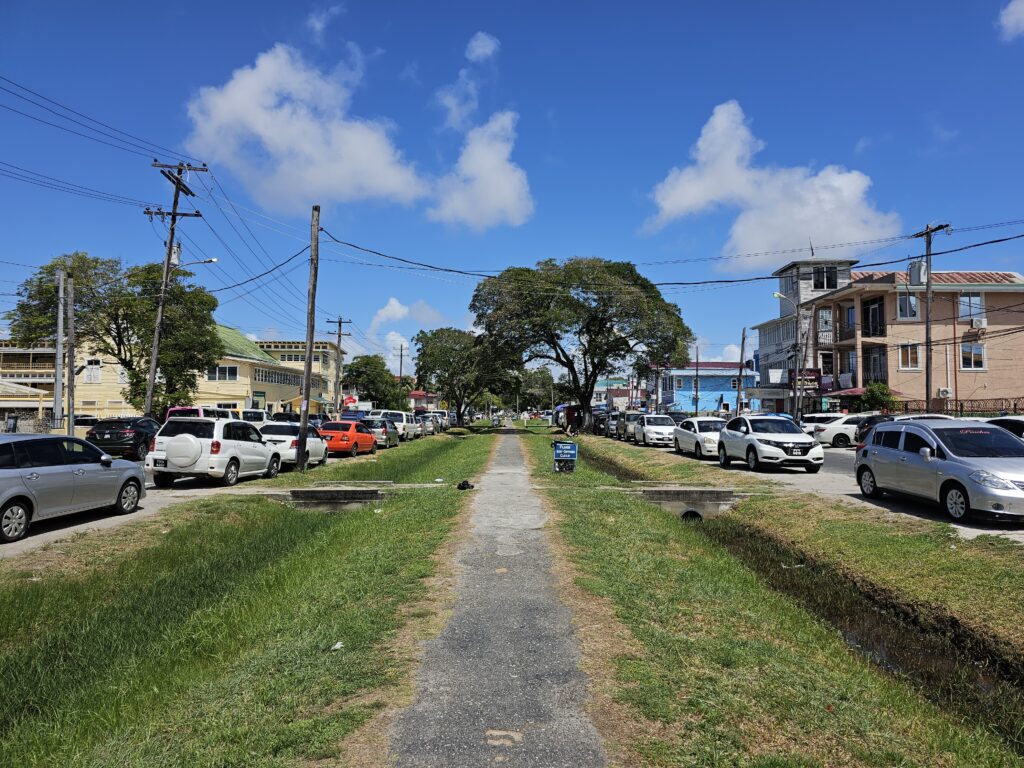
[685, 434]
[364, 437]
[918, 476]
[885, 454]
[95, 483]
[732, 437]
[315, 445]
[234, 444]
[259, 454]
[46, 476]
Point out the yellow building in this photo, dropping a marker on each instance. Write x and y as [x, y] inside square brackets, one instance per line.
[328, 359]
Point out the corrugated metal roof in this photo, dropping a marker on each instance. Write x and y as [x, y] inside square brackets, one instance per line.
[942, 278]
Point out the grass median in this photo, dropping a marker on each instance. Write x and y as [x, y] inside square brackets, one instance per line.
[252, 634]
[730, 672]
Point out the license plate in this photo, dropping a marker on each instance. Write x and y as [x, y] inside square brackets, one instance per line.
[159, 462]
[796, 451]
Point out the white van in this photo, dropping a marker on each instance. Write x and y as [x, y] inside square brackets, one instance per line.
[408, 427]
[256, 417]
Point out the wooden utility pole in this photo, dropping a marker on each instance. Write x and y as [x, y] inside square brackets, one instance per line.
[179, 187]
[307, 369]
[58, 357]
[927, 233]
[696, 382]
[71, 357]
[739, 381]
[401, 361]
[338, 396]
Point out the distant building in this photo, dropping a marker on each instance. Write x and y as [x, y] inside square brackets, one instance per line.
[419, 398]
[709, 387]
[327, 360]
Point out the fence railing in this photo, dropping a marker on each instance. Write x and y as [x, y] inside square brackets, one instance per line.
[993, 406]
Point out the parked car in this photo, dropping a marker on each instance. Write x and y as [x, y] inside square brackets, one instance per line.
[699, 434]
[611, 424]
[1014, 424]
[286, 417]
[442, 417]
[384, 432]
[256, 417]
[200, 447]
[351, 437]
[768, 441]
[917, 416]
[429, 425]
[811, 420]
[840, 432]
[43, 476]
[598, 422]
[285, 437]
[624, 429]
[864, 428]
[654, 430]
[86, 420]
[408, 427]
[966, 466]
[196, 412]
[678, 416]
[129, 436]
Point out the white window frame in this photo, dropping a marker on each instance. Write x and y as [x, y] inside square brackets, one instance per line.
[917, 306]
[977, 310]
[226, 369]
[917, 354]
[93, 371]
[984, 357]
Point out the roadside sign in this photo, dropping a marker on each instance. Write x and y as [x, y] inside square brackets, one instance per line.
[566, 451]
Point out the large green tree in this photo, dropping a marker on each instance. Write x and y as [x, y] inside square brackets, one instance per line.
[590, 316]
[370, 376]
[460, 366]
[115, 315]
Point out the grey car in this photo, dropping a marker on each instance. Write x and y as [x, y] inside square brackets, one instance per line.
[967, 466]
[44, 476]
[386, 432]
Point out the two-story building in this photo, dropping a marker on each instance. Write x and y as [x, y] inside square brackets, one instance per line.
[328, 362]
[708, 387]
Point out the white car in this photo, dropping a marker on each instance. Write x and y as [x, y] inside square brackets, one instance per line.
[699, 435]
[222, 448]
[257, 417]
[811, 420]
[285, 437]
[408, 427]
[768, 441]
[442, 417]
[840, 432]
[654, 430]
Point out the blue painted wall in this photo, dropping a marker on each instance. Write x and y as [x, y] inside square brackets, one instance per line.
[714, 388]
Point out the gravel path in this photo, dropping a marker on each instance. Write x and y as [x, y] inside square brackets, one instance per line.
[502, 683]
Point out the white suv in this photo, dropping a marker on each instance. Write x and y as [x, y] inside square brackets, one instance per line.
[223, 448]
[768, 441]
[408, 427]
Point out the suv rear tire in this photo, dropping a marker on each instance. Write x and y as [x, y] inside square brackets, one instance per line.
[230, 477]
[274, 467]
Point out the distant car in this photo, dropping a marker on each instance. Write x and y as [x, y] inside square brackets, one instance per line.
[917, 416]
[349, 437]
[196, 412]
[768, 441]
[287, 417]
[384, 431]
[840, 432]
[654, 430]
[44, 476]
[85, 420]
[964, 465]
[224, 449]
[129, 436]
[678, 416]
[811, 420]
[699, 434]
[1014, 424]
[861, 433]
[625, 428]
[256, 417]
[442, 417]
[285, 437]
[408, 427]
[611, 424]
[428, 424]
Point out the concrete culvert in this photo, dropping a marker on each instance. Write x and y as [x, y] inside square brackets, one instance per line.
[691, 515]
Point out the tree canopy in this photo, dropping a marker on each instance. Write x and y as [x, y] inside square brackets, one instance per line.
[590, 316]
[115, 315]
[370, 375]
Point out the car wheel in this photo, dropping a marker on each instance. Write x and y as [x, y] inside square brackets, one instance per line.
[841, 441]
[274, 467]
[230, 474]
[679, 448]
[373, 448]
[163, 479]
[957, 502]
[127, 498]
[142, 451]
[813, 469]
[14, 520]
[868, 486]
[753, 463]
[355, 450]
[723, 458]
[698, 454]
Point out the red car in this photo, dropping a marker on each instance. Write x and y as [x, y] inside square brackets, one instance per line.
[350, 437]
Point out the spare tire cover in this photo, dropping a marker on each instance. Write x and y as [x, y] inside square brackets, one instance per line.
[183, 450]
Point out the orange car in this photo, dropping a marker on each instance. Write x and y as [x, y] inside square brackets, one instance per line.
[349, 437]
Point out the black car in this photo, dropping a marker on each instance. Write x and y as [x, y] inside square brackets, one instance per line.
[128, 436]
[865, 426]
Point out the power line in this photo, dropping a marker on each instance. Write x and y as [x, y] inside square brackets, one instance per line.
[77, 133]
[262, 274]
[51, 182]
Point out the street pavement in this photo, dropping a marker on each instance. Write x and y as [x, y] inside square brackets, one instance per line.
[502, 682]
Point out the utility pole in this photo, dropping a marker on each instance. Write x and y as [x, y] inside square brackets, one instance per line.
[307, 370]
[58, 357]
[739, 381]
[696, 382]
[71, 357]
[338, 398]
[927, 233]
[179, 187]
[401, 361]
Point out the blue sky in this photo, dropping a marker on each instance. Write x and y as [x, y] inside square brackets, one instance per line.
[479, 135]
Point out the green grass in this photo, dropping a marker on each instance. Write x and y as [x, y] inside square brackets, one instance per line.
[731, 672]
[453, 458]
[212, 644]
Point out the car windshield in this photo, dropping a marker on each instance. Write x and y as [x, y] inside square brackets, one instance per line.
[336, 426]
[660, 421]
[280, 429]
[981, 442]
[710, 426]
[200, 429]
[113, 424]
[253, 415]
[632, 416]
[775, 427]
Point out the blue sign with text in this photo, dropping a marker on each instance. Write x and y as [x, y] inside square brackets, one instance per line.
[566, 451]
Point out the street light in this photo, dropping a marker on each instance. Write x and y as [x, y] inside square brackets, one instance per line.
[193, 263]
[797, 389]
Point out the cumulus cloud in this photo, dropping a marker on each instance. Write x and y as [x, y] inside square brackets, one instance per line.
[318, 20]
[486, 188]
[711, 353]
[283, 128]
[393, 342]
[1011, 20]
[394, 311]
[779, 208]
[459, 100]
[482, 46]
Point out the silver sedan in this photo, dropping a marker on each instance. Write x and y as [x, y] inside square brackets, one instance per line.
[385, 432]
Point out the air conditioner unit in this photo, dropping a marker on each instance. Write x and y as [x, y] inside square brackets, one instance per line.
[945, 393]
[979, 323]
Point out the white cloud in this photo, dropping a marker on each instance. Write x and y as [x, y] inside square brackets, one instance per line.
[391, 312]
[486, 188]
[459, 100]
[711, 353]
[318, 20]
[252, 337]
[393, 343]
[482, 46]
[1011, 20]
[283, 128]
[863, 143]
[425, 315]
[779, 208]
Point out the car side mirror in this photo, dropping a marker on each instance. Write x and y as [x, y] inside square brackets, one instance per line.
[106, 459]
[926, 453]
[744, 430]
